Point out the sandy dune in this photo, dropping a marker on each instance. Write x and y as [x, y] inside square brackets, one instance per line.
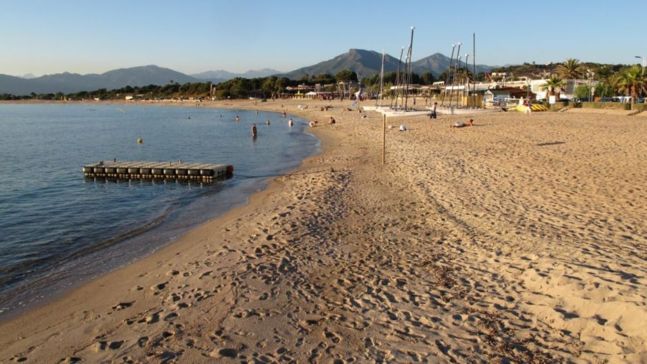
[523, 239]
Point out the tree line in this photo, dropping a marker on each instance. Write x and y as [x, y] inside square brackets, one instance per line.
[236, 88]
[611, 80]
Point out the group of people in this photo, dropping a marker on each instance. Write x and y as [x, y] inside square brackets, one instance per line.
[254, 129]
[458, 124]
[313, 123]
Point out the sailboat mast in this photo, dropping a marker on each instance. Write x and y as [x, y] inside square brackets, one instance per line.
[397, 79]
[458, 62]
[474, 65]
[409, 63]
[449, 71]
[468, 81]
[382, 80]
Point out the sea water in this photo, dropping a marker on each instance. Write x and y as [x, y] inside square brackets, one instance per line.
[58, 229]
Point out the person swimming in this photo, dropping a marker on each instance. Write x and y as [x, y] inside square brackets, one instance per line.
[237, 118]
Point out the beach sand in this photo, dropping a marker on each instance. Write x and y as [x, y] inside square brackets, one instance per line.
[520, 239]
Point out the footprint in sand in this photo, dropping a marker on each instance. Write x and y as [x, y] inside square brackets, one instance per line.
[122, 305]
[224, 353]
[141, 342]
[171, 316]
[103, 345]
[205, 274]
[151, 319]
[332, 336]
[70, 360]
[159, 287]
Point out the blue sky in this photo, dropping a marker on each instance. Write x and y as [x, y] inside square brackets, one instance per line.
[191, 36]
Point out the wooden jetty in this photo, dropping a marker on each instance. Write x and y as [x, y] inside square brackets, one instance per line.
[158, 170]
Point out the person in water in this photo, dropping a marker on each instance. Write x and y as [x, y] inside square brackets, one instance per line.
[267, 122]
[290, 123]
[254, 131]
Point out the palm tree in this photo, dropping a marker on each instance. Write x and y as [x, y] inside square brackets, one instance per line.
[632, 81]
[571, 69]
[603, 73]
[554, 86]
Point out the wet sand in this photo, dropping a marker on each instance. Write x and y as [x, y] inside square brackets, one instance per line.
[521, 238]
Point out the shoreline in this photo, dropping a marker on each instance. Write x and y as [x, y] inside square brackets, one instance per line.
[491, 242]
[48, 288]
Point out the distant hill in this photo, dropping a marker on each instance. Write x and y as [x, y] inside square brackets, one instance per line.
[437, 63]
[14, 85]
[222, 75]
[364, 63]
[367, 63]
[73, 82]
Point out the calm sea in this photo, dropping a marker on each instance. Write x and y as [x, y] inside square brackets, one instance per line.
[58, 229]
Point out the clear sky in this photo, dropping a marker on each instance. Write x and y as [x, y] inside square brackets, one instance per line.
[191, 36]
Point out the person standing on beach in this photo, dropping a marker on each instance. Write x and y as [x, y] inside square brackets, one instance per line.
[433, 114]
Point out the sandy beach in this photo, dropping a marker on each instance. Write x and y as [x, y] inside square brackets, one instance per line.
[520, 239]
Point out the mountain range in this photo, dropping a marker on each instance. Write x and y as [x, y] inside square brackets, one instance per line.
[74, 82]
[367, 63]
[363, 62]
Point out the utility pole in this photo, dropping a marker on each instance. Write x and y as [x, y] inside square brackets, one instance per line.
[643, 63]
